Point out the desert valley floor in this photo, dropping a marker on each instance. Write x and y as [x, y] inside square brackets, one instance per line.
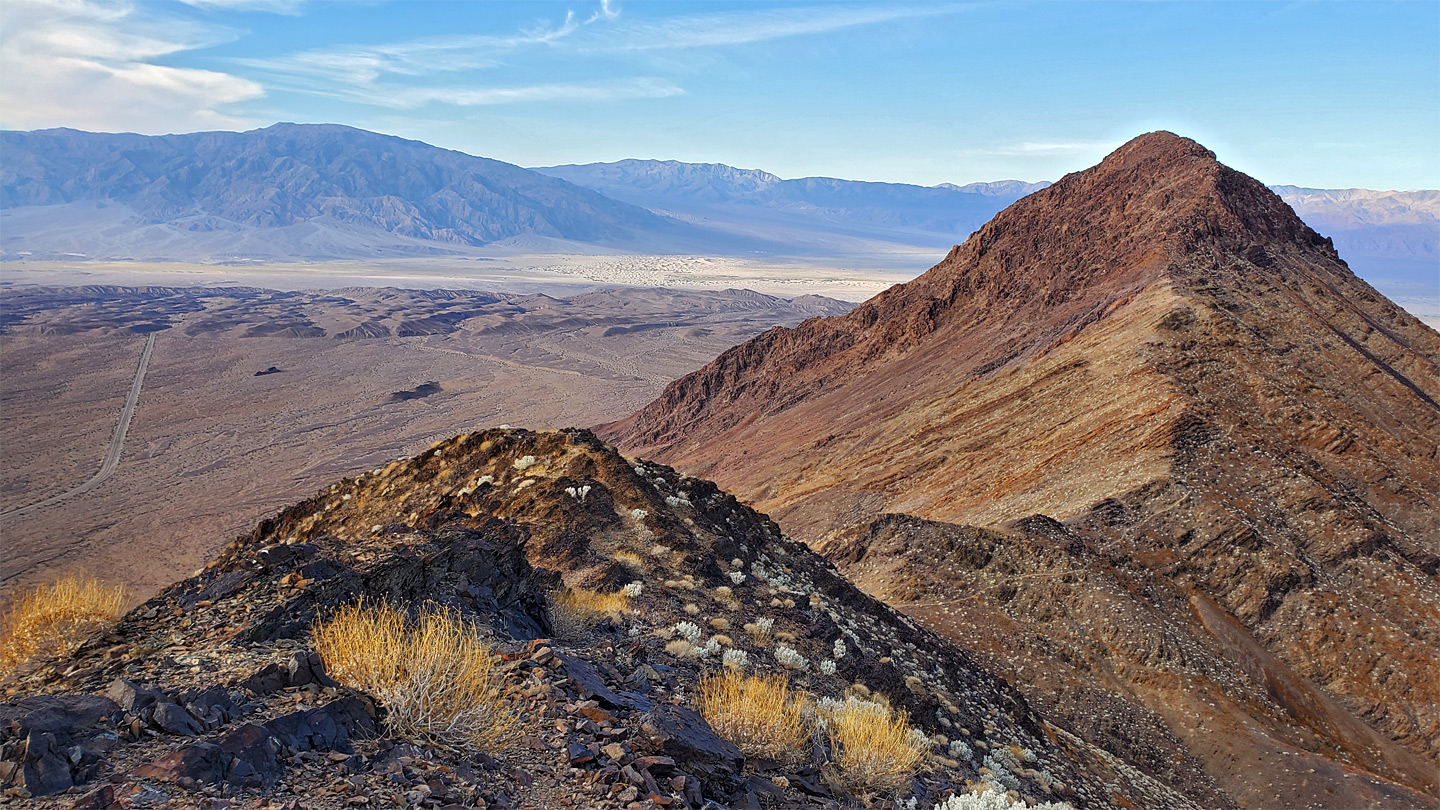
[364, 376]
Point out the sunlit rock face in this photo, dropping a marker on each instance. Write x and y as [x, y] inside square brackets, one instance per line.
[1232, 436]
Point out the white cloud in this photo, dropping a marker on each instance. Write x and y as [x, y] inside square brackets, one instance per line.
[91, 65]
[273, 6]
[738, 28]
[392, 74]
[472, 97]
[364, 65]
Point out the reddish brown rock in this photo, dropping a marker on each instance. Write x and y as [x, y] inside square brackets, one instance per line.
[1159, 353]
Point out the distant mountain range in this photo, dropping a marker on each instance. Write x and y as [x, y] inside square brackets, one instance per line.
[1383, 235]
[293, 191]
[815, 213]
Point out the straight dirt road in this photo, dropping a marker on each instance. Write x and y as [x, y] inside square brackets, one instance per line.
[117, 443]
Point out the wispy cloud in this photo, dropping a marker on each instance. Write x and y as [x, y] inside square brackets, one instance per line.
[408, 98]
[274, 6]
[92, 65]
[741, 27]
[368, 64]
[395, 74]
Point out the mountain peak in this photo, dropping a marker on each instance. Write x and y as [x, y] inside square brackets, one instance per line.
[1159, 146]
[1159, 357]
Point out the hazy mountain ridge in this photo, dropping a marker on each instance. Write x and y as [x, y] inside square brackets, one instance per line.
[1392, 235]
[329, 177]
[293, 191]
[1382, 234]
[713, 190]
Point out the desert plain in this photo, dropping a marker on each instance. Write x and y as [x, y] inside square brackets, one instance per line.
[365, 372]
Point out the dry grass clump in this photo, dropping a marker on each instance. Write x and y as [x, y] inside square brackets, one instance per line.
[574, 613]
[629, 559]
[875, 749]
[50, 621]
[436, 678]
[680, 648]
[760, 715]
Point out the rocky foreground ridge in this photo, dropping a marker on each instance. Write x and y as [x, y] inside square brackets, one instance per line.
[1200, 452]
[210, 694]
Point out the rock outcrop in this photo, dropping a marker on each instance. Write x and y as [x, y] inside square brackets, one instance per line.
[210, 693]
[1159, 354]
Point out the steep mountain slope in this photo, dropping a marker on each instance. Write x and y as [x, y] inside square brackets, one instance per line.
[211, 690]
[810, 211]
[1158, 352]
[331, 188]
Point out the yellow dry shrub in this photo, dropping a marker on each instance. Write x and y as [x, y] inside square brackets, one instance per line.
[759, 714]
[436, 678]
[51, 621]
[576, 611]
[874, 747]
[629, 558]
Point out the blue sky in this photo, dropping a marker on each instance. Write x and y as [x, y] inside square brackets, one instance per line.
[1322, 94]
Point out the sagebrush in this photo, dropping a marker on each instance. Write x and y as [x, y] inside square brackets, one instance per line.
[760, 714]
[436, 678]
[875, 749]
[575, 612]
[51, 621]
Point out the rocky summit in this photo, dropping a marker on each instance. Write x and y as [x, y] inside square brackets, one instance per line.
[212, 694]
[1147, 447]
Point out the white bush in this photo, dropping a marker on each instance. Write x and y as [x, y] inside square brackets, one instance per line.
[827, 667]
[639, 514]
[735, 658]
[789, 658]
[524, 462]
[999, 772]
[633, 589]
[839, 651]
[737, 577]
[689, 631]
[994, 798]
[959, 749]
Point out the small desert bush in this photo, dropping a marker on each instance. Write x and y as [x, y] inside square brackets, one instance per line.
[760, 629]
[680, 648]
[760, 715]
[629, 559]
[988, 797]
[874, 747]
[436, 678]
[575, 612]
[50, 621]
